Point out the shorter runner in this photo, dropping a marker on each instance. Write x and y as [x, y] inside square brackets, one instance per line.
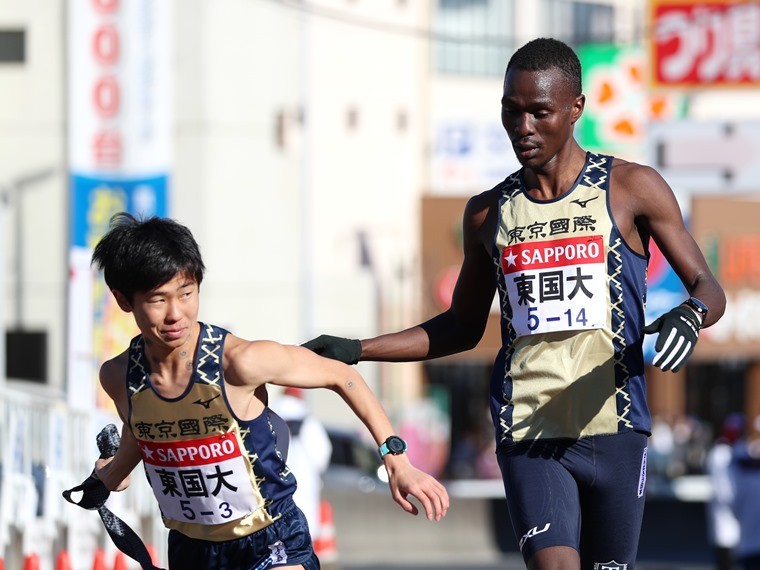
[192, 397]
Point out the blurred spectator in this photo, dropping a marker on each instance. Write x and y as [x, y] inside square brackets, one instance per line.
[309, 453]
[745, 472]
[722, 526]
[661, 446]
[692, 438]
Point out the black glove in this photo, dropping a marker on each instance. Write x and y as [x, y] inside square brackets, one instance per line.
[347, 350]
[678, 333]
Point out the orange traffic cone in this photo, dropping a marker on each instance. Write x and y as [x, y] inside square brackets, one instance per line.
[32, 562]
[153, 554]
[99, 561]
[63, 562]
[120, 562]
[2, 564]
[325, 544]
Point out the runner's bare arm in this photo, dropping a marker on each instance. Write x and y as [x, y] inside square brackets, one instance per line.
[265, 361]
[461, 327]
[658, 214]
[115, 471]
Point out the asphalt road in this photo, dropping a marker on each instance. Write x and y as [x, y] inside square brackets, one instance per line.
[507, 562]
[373, 534]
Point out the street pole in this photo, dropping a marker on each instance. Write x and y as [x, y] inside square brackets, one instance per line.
[19, 186]
[306, 194]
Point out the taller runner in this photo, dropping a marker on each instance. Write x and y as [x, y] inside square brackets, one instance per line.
[565, 241]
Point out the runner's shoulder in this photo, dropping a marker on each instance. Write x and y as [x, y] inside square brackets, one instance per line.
[113, 375]
[632, 175]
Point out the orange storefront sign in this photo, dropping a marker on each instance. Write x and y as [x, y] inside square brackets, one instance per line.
[728, 233]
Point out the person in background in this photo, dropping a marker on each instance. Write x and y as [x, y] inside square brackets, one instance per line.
[745, 474]
[722, 526]
[309, 452]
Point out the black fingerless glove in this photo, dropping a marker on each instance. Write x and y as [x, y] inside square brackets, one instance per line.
[678, 333]
[346, 350]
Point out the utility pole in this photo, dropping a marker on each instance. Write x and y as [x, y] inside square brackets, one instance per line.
[11, 194]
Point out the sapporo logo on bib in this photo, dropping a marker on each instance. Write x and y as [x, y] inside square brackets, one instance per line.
[202, 480]
[556, 285]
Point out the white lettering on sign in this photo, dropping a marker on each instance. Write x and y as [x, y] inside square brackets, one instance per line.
[556, 285]
[204, 480]
[698, 44]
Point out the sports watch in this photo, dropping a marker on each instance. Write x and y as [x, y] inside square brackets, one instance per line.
[393, 445]
[698, 306]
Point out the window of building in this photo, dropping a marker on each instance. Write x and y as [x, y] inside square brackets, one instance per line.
[352, 118]
[579, 22]
[402, 121]
[473, 37]
[477, 37]
[12, 46]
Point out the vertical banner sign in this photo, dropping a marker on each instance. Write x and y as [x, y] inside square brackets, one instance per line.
[705, 43]
[119, 160]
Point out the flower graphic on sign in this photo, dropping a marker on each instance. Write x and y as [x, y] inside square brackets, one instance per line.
[618, 103]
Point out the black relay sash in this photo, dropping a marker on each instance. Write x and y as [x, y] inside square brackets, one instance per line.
[94, 496]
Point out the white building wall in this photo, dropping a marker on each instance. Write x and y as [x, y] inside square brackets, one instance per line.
[31, 143]
[237, 68]
[367, 95]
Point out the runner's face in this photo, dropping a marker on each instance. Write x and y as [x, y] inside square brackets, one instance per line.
[538, 111]
[168, 313]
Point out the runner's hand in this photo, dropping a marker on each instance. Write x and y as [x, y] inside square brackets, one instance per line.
[405, 480]
[346, 350]
[678, 333]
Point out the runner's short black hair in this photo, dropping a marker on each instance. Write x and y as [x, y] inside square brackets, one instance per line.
[547, 53]
[139, 255]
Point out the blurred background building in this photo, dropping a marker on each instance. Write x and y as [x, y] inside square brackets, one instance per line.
[322, 152]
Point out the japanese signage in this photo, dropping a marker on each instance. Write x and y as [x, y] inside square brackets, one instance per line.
[119, 159]
[470, 154]
[556, 285]
[727, 231]
[201, 480]
[714, 43]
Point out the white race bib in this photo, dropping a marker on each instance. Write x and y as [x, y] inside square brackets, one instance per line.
[556, 285]
[202, 481]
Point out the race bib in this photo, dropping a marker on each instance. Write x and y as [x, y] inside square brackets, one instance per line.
[556, 285]
[202, 481]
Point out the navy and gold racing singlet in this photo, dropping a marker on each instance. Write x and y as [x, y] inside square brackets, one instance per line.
[572, 297]
[215, 477]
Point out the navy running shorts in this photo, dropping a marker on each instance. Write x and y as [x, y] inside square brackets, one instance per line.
[286, 542]
[587, 494]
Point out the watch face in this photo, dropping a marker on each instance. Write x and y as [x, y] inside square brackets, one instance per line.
[698, 305]
[395, 444]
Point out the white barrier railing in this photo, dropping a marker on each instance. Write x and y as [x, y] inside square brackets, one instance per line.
[45, 448]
